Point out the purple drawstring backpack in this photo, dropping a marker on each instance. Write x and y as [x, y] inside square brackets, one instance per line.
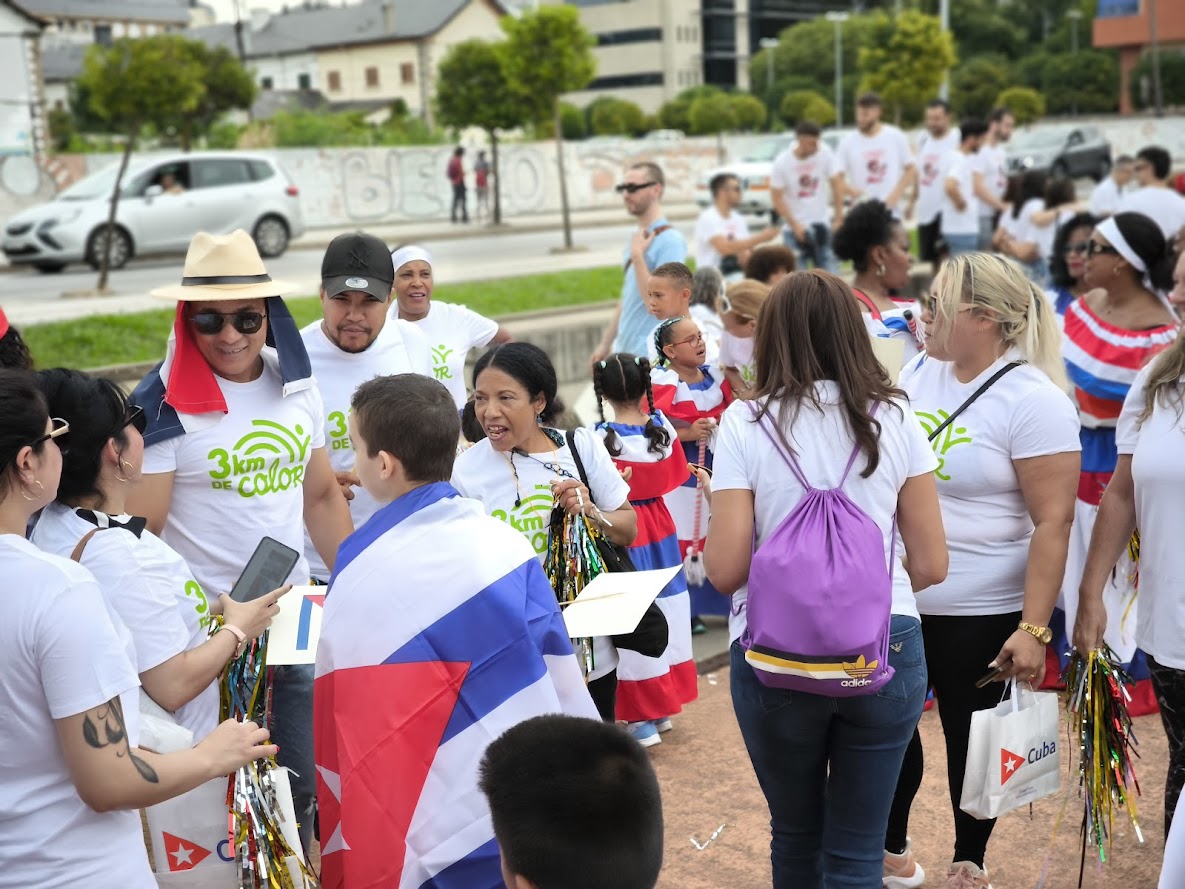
[820, 592]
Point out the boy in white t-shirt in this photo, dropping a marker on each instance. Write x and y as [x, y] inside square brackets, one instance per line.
[354, 342]
[876, 159]
[796, 184]
[960, 206]
[722, 238]
[668, 295]
[451, 330]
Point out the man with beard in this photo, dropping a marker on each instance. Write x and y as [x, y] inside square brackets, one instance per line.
[876, 158]
[655, 243]
[936, 151]
[991, 174]
[354, 342]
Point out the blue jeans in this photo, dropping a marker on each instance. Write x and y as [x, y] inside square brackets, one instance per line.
[828, 766]
[817, 250]
[960, 244]
[292, 728]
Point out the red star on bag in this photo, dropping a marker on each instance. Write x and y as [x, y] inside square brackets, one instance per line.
[1010, 764]
[182, 854]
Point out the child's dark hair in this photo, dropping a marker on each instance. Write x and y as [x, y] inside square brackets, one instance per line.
[531, 368]
[575, 804]
[14, 353]
[764, 261]
[470, 428]
[414, 419]
[662, 337]
[675, 272]
[623, 379]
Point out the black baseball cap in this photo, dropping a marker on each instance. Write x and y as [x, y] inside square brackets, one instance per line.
[357, 261]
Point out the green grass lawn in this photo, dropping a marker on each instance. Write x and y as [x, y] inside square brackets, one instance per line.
[104, 340]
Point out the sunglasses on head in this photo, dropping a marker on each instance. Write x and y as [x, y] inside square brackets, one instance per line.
[1094, 248]
[631, 187]
[1077, 247]
[135, 418]
[211, 323]
[59, 434]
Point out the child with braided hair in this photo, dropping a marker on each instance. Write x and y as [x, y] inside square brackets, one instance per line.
[692, 394]
[645, 448]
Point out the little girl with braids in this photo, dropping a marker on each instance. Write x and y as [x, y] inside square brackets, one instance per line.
[692, 395]
[645, 448]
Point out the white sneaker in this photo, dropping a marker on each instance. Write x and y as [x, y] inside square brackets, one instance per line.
[663, 725]
[965, 875]
[901, 871]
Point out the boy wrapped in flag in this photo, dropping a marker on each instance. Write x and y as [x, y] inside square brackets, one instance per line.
[440, 632]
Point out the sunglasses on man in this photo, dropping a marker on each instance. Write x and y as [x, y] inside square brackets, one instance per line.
[211, 323]
[632, 187]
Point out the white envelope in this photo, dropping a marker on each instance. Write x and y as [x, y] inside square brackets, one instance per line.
[296, 630]
[614, 603]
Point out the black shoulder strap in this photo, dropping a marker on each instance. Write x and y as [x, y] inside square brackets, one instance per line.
[974, 395]
[571, 437]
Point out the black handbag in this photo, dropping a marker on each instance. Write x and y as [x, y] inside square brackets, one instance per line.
[652, 634]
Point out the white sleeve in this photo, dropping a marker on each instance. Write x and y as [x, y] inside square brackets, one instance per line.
[1045, 422]
[162, 457]
[316, 407]
[703, 229]
[148, 611]
[82, 659]
[920, 458]
[480, 329]
[729, 469]
[610, 491]
[1127, 429]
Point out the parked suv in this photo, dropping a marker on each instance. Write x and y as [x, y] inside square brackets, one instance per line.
[1061, 151]
[164, 201]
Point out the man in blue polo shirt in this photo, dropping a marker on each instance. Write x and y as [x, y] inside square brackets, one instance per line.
[654, 243]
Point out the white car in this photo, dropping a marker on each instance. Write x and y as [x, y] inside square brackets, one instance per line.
[753, 170]
[164, 201]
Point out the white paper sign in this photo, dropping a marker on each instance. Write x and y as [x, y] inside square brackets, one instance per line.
[297, 628]
[614, 603]
[890, 352]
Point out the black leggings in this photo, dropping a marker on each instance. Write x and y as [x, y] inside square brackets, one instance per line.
[604, 694]
[1169, 685]
[958, 651]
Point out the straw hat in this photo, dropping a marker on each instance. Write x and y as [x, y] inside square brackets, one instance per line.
[224, 267]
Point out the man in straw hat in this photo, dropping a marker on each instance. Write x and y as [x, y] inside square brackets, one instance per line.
[235, 451]
[354, 342]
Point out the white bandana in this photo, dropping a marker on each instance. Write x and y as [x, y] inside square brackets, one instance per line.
[404, 255]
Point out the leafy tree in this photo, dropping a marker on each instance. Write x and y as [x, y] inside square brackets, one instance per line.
[1172, 79]
[225, 136]
[712, 114]
[549, 53]
[298, 128]
[981, 26]
[676, 114]
[228, 86]
[474, 90]
[975, 83]
[1086, 81]
[1027, 105]
[61, 129]
[905, 61]
[803, 105]
[572, 122]
[134, 83]
[749, 111]
[610, 116]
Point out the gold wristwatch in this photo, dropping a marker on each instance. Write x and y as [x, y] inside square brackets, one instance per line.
[1044, 635]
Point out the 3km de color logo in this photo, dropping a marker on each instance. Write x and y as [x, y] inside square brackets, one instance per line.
[268, 459]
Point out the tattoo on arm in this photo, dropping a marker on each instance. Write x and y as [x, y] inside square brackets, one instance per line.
[115, 731]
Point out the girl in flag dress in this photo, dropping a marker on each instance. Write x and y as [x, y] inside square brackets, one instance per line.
[692, 395]
[645, 447]
[1110, 333]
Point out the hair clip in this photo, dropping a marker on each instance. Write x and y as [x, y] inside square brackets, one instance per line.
[602, 365]
[638, 360]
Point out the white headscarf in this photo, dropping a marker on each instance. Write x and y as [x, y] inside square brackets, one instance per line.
[404, 255]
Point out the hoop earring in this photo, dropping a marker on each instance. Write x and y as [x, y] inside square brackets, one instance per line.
[30, 497]
[122, 464]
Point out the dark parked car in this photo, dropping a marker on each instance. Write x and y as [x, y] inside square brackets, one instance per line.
[1061, 151]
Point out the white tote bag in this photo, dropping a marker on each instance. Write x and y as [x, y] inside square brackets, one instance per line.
[1012, 756]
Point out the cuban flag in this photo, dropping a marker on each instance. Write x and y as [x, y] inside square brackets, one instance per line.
[440, 632]
[656, 687]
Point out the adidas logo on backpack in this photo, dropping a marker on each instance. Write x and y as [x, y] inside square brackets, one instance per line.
[820, 592]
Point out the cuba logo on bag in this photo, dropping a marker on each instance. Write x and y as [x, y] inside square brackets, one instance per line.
[1011, 763]
[820, 592]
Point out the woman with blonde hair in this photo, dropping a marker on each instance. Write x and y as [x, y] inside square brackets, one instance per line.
[990, 392]
[739, 307]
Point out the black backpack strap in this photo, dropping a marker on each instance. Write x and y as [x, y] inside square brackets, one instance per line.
[571, 437]
[974, 395]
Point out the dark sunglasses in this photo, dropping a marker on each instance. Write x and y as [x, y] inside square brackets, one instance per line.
[211, 323]
[1095, 248]
[1077, 247]
[59, 434]
[631, 187]
[135, 418]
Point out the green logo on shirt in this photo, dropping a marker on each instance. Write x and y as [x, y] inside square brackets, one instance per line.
[440, 356]
[339, 432]
[530, 518]
[952, 435]
[253, 466]
[201, 606]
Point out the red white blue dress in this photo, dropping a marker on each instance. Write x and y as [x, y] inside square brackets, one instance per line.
[684, 403]
[1102, 361]
[650, 688]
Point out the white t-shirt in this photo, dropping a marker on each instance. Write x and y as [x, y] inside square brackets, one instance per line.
[737, 352]
[242, 479]
[988, 527]
[747, 460]
[805, 182]
[874, 164]
[1156, 447]
[710, 325]
[60, 655]
[151, 589]
[521, 496]
[1027, 231]
[1162, 205]
[934, 157]
[965, 221]
[451, 331]
[992, 162]
[709, 225]
[1106, 197]
[399, 348]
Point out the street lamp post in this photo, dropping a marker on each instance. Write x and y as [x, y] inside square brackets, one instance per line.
[838, 18]
[1074, 15]
[769, 44]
